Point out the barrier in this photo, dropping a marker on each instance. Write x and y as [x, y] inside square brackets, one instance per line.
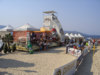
[85, 51]
[68, 69]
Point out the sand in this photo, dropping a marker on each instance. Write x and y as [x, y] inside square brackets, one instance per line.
[39, 63]
[96, 61]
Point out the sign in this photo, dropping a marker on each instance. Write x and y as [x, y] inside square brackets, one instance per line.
[74, 52]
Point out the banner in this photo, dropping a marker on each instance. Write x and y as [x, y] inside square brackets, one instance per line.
[74, 52]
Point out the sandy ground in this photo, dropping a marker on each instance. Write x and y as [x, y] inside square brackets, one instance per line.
[90, 64]
[39, 63]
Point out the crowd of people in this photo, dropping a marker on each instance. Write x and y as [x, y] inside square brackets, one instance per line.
[80, 44]
[43, 41]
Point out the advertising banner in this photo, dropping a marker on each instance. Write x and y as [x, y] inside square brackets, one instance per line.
[74, 52]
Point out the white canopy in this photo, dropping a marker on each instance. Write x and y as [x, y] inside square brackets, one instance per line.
[71, 35]
[26, 27]
[76, 35]
[7, 28]
[79, 35]
[67, 34]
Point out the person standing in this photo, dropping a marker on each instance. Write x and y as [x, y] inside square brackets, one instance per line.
[89, 45]
[93, 41]
[41, 45]
[45, 45]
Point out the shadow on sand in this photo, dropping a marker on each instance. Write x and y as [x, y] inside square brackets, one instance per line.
[50, 50]
[1, 54]
[9, 63]
[29, 71]
[5, 73]
[86, 65]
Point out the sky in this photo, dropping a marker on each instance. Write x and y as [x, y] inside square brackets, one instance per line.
[74, 15]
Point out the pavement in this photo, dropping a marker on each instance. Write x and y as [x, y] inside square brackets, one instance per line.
[90, 64]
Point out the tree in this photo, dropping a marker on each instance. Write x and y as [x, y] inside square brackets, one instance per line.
[5, 48]
[13, 47]
[7, 39]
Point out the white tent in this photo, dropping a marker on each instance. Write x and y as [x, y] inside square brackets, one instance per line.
[67, 35]
[26, 27]
[76, 35]
[7, 28]
[72, 36]
[79, 35]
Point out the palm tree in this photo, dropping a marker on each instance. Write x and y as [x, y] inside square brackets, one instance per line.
[8, 39]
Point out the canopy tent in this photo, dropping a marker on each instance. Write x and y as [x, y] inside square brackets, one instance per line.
[7, 28]
[72, 36]
[67, 35]
[80, 36]
[26, 27]
[76, 35]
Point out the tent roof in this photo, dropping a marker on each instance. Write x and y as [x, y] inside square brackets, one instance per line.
[76, 35]
[67, 34]
[26, 27]
[79, 35]
[48, 12]
[71, 35]
[7, 28]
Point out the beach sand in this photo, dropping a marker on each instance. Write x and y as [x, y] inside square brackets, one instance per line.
[39, 63]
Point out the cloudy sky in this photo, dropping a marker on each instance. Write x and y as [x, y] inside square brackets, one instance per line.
[74, 15]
